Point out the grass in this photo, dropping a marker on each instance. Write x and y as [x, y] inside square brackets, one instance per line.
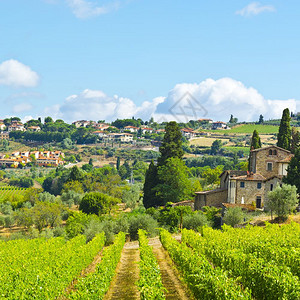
[249, 128]
[205, 141]
[245, 150]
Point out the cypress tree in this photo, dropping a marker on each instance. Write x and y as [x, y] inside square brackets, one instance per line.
[255, 141]
[118, 163]
[172, 143]
[151, 181]
[284, 134]
[293, 171]
[261, 119]
[255, 144]
[295, 140]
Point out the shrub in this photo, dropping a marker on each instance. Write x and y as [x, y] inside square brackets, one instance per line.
[59, 231]
[6, 208]
[2, 221]
[233, 216]
[194, 221]
[9, 221]
[282, 200]
[47, 233]
[76, 224]
[97, 203]
[144, 222]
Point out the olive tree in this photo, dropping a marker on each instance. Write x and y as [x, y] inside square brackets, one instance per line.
[282, 200]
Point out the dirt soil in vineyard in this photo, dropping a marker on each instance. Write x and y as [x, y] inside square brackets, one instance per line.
[170, 276]
[90, 269]
[123, 285]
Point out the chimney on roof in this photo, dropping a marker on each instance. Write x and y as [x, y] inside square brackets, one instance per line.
[249, 174]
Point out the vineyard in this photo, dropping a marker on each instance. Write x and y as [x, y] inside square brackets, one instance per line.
[250, 263]
[8, 191]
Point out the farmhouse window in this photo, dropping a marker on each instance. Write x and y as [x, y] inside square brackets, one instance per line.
[242, 184]
[258, 202]
[271, 187]
[269, 166]
[259, 185]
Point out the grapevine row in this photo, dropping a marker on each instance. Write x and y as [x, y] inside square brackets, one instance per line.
[150, 283]
[39, 269]
[95, 285]
[203, 280]
[265, 279]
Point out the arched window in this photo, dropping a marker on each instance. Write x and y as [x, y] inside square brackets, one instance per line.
[270, 152]
[274, 152]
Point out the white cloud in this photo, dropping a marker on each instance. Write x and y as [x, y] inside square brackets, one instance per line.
[254, 9]
[22, 107]
[218, 99]
[27, 118]
[14, 73]
[96, 105]
[83, 9]
[215, 99]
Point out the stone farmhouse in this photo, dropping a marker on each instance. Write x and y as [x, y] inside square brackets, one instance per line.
[267, 168]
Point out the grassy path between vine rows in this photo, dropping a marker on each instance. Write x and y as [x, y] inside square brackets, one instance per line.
[124, 285]
[90, 269]
[170, 276]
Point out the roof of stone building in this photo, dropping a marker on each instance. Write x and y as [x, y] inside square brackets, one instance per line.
[211, 191]
[251, 177]
[287, 159]
[234, 173]
[275, 176]
[274, 146]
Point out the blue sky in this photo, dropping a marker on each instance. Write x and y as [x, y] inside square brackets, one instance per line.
[77, 59]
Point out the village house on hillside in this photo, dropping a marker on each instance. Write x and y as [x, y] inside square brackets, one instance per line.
[267, 167]
[219, 125]
[16, 126]
[42, 159]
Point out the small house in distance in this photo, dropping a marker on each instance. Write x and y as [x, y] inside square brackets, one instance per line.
[219, 125]
[267, 168]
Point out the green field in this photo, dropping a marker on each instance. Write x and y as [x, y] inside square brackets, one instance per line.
[245, 150]
[249, 128]
[8, 191]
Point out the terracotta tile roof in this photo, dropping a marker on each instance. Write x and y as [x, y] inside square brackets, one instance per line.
[268, 147]
[210, 192]
[234, 173]
[251, 177]
[147, 128]
[131, 127]
[287, 159]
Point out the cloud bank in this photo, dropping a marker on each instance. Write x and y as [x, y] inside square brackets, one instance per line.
[218, 99]
[86, 9]
[96, 105]
[255, 8]
[14, 73]
[215, 99]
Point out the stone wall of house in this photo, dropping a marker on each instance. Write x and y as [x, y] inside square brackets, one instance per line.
[211, 198]
[274, 182]
[249, 192]
[263, 158]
